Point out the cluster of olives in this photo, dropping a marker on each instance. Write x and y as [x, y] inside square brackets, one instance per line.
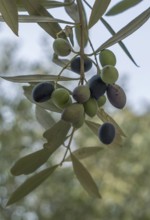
[85, 99]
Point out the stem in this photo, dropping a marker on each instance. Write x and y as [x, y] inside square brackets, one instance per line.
[79, 4]
[68, 147]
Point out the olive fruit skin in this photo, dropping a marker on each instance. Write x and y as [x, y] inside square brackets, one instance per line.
[42, 92]
[76, 64]
[106, 133]
[81, 93]
[73, 113]
[116, 96]
[101, 101]
[79, 123]
[61, 47]
[109, 74]
[91, 107]
[107, 57]
[61, 98]
[97, 86]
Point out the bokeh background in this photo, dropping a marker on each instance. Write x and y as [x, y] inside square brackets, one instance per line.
[122, 174]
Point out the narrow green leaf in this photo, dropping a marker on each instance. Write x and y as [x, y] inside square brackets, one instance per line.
[127, 30]
[30, 163]
[37, 78]
[44, 118]
[35, 8]
[56, 135]
[85, 178]
[121, 44]
[45, 3]
[9, 12]
[85, 152]
[99, 8]
[93, 126]
[122, 6]
[49, 105]
[30, 184]
[73, 12]
[60, 62]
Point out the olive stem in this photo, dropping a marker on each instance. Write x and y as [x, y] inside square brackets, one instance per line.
[68, 147]
[79, 4]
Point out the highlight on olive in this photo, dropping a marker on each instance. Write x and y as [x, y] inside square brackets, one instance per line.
[76, 64]
[106, 133]
[42, 92]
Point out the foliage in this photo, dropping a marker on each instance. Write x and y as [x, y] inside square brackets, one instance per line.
[61, 132]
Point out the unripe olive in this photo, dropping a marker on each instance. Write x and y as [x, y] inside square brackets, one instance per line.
[101, 101]
[42, 92]
[97, 86]
[116, 96]
[109, 74]
[61, 98]
[91, 107]
[76, 64]
[73, 113]
[107, 57]
[81, 93]
[61, 47]
[79, 123]
[106, 133]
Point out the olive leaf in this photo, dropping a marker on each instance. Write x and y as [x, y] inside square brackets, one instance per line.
[30, 184]
[122, 45]
[99, 8]
[44, 118]
[73, 12]
[93, 126]
[35, 8]
[45, 3]
[130, 28]
[85, 152]
[37, 78]
[122, 6]
[56, 135]
[85, 177]
[49, 105]
[30, 163]
[9, 12]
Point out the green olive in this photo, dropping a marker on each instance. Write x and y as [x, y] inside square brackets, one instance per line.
[109, 74]
[61, 47]
[107, 57]
[101, 101]
[91, 107]
[61, 98]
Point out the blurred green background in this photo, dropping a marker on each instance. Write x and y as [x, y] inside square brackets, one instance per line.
[122, 174]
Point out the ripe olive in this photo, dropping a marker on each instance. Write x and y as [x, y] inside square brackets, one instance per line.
[61, 97]
[116, 96]
[42, 92]
[61, 47]
[76, 64]
[106, 133]
[97, 86]
[107, 57]
[109, 74]
[81, 93]
[91, 107]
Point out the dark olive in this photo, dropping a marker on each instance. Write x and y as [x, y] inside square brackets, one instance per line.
[116, 96]
[106, 133]
[42, 92]
[97, 86]
[81, 93]
[76, 64]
